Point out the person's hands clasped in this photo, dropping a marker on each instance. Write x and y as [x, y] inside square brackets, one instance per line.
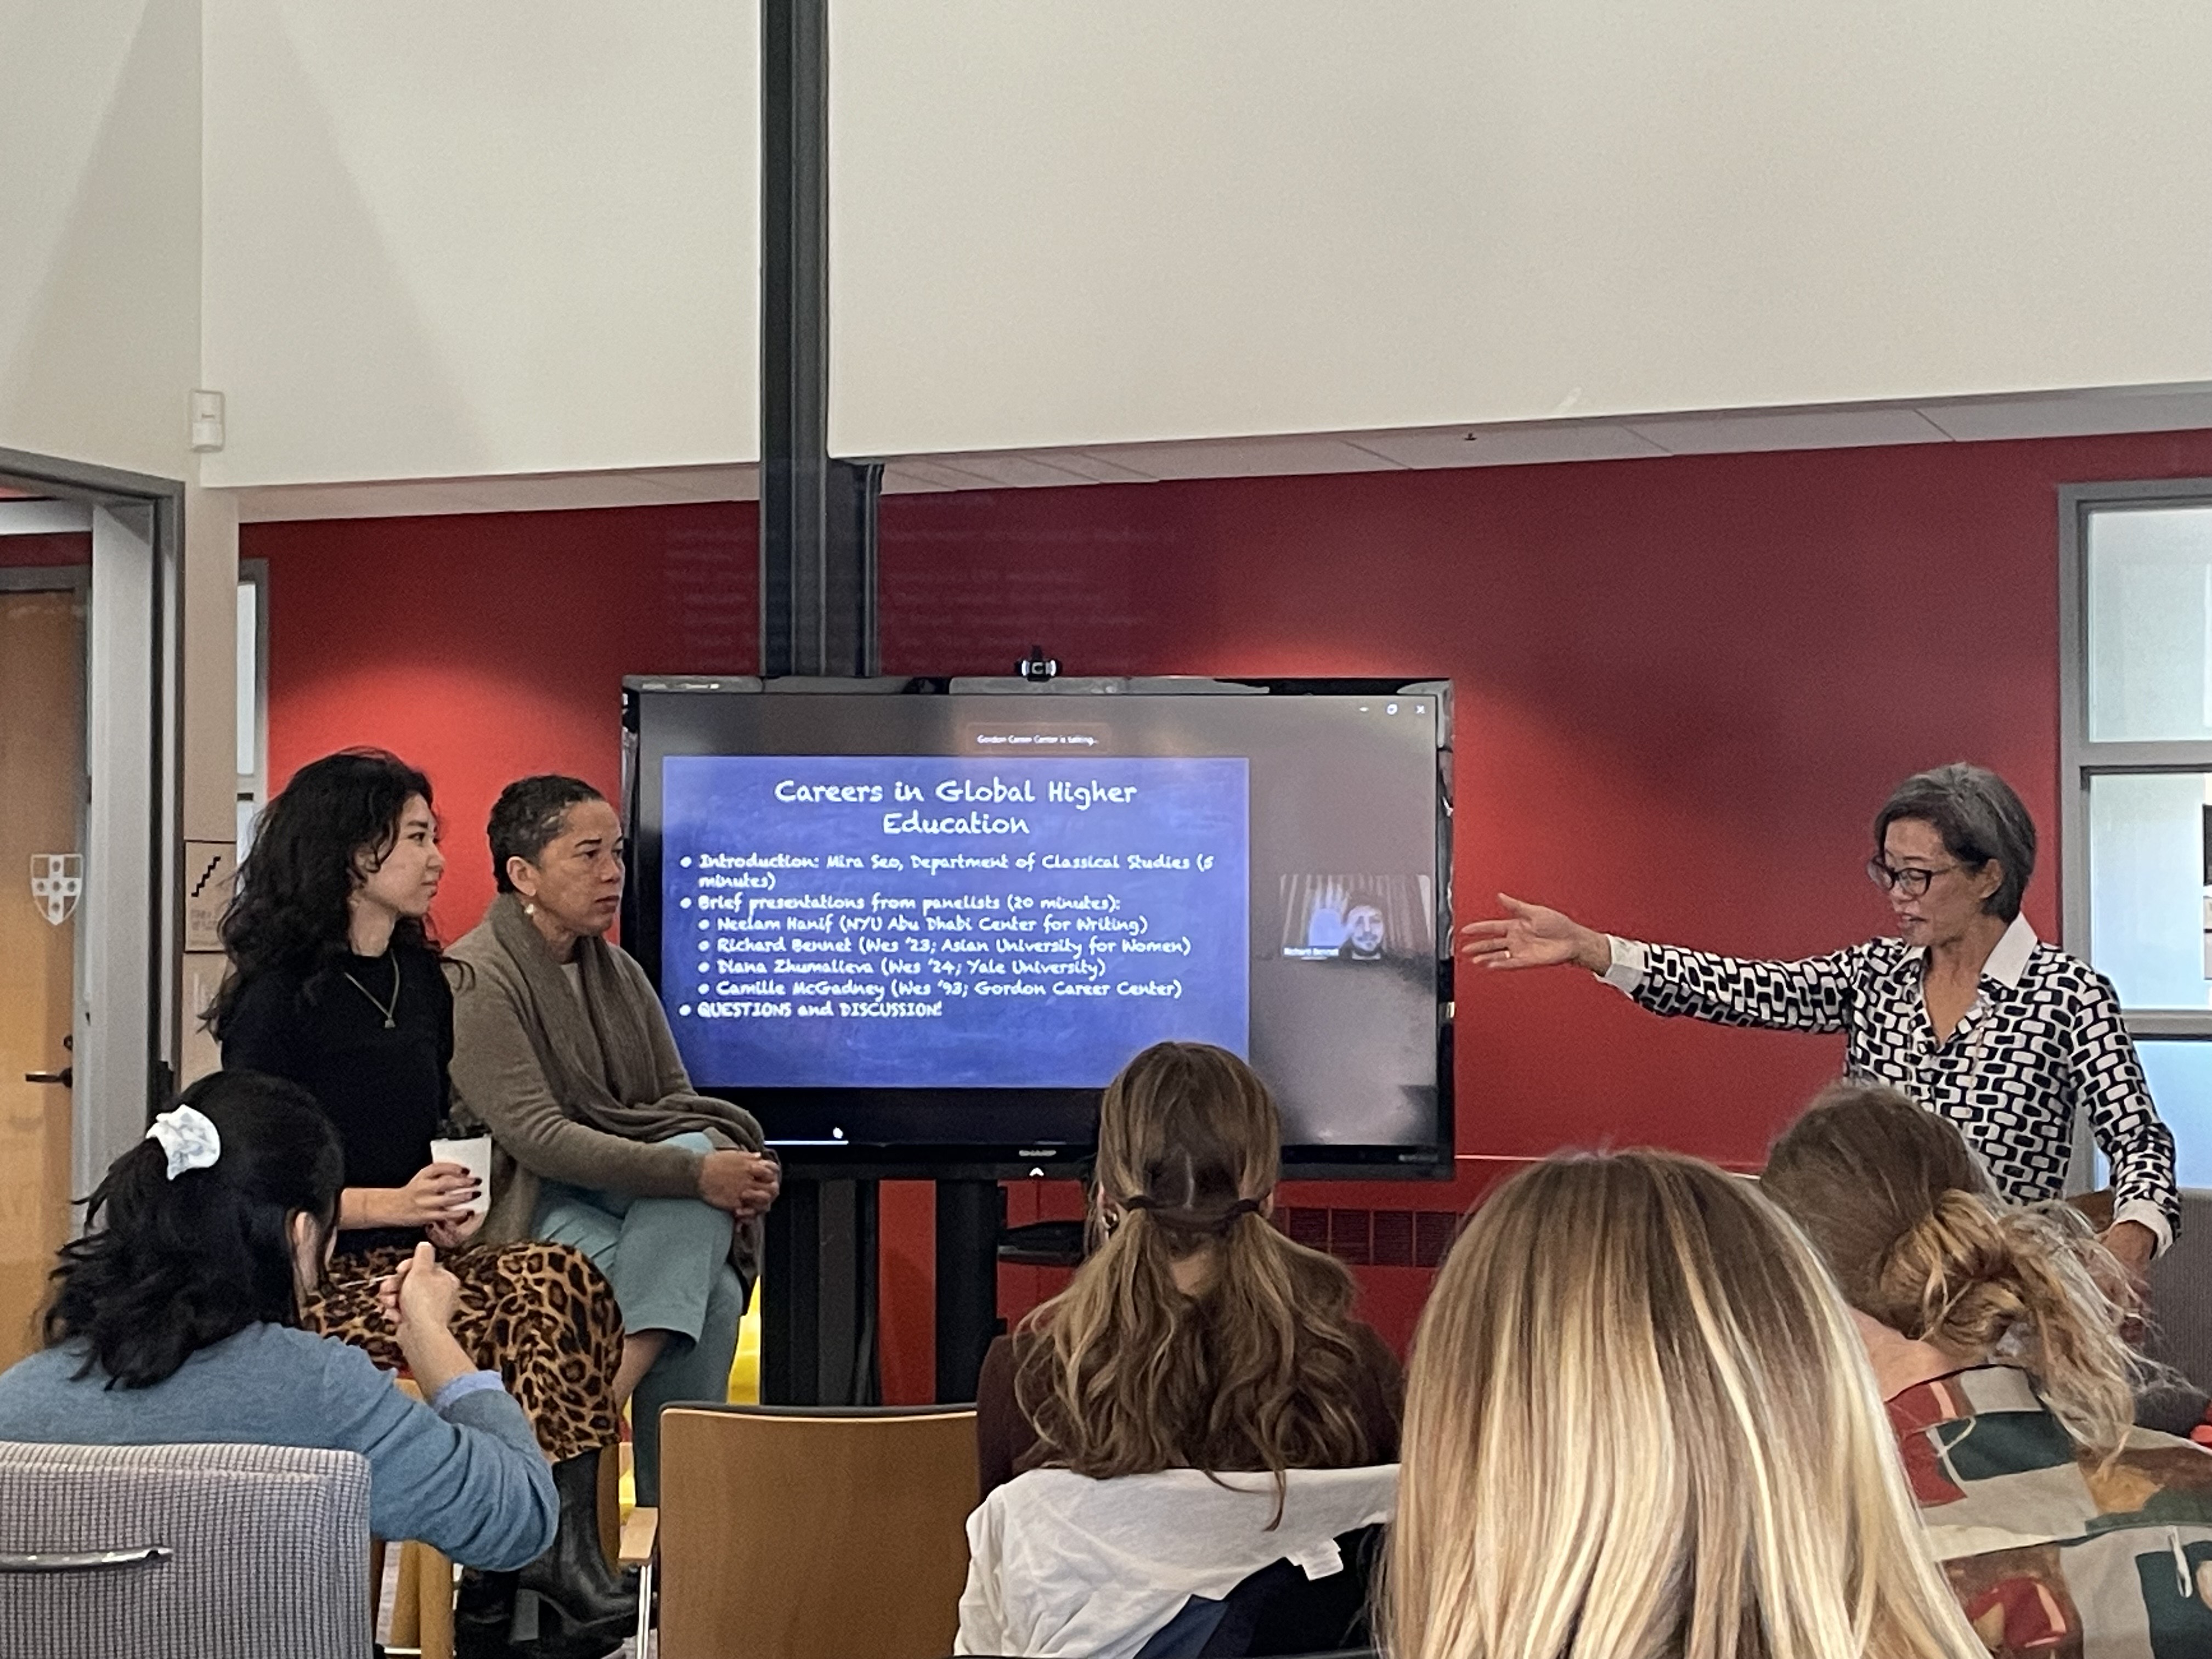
[1531, 936]
[744, 1183]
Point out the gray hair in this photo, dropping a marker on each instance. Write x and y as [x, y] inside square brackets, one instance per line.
[1979, 819]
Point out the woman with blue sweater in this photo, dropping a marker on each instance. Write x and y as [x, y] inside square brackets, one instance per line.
[175, 1320]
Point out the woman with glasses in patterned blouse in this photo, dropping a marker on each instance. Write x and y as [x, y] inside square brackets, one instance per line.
[1966, 1010]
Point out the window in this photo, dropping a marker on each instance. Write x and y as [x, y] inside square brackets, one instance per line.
[253, 696]
[2137, 742]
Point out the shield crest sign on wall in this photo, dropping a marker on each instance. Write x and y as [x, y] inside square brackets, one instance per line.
[57, 883]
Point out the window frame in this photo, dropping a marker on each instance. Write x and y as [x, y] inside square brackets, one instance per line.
[252, 788]
[2081, 758]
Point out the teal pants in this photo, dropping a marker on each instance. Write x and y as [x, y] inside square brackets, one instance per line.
[668, 1260]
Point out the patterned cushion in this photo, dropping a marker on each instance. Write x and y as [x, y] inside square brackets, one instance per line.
[269, 1552]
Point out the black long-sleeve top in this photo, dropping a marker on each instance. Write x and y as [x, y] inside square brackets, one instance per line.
[383, 1090]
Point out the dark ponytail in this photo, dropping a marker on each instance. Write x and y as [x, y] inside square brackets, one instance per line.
[167, 1267]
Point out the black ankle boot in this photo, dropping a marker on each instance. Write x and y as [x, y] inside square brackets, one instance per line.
[575, 1575]
[541, 1631]
[481, 1611]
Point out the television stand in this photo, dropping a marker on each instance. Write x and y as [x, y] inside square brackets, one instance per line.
[818, 1295]
[971, 1214]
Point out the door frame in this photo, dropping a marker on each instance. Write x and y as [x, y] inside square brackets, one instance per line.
[129, 919]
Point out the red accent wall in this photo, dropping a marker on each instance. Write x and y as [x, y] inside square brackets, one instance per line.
[56, 551]
[483, 648]
[1683, 686]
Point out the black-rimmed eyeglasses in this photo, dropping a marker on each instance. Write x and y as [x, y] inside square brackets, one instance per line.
[1910, 882]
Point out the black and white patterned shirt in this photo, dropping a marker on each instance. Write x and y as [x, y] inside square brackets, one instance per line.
[2044, 1040]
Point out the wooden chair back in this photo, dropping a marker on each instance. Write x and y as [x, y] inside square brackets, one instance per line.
[813, 1533]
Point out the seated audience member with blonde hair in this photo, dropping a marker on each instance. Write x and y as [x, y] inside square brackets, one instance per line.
[1638, 1426]
[2061, 1526]
[175, 1320]
[1196, 1345]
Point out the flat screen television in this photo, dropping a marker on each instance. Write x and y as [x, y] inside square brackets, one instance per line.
[915, 926]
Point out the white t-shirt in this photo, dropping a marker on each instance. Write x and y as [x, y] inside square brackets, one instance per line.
[1061, 1565]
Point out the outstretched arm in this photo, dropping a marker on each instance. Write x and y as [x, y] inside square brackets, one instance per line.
[1532, 936]
[1814, 995]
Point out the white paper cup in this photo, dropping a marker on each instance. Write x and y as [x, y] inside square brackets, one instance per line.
[473, 1155]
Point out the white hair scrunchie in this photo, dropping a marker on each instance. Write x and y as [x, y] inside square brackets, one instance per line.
[188, 1137]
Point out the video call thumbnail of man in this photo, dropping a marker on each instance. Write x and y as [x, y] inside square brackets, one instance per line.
[1348, 979]
[1358, 918]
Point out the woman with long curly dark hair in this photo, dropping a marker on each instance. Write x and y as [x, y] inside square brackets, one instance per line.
[337, 983]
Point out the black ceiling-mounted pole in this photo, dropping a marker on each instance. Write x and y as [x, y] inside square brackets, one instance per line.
[817, 584]
[818, 516]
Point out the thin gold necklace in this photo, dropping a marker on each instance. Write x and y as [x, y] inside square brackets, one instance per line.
[389, 1010]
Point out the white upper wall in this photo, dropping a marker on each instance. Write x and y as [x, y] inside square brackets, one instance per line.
[504, 236]
[1062, 222]
[99, 207]
[509, 237]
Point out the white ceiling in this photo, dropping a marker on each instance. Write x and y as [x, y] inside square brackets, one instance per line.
[1535, 443]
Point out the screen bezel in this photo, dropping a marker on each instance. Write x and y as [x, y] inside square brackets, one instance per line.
[1014, 1157]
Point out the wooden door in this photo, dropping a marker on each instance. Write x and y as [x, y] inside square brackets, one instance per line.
[42, 771]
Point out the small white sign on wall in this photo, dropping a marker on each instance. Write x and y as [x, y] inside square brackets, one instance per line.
[211, 872]
[57, 883]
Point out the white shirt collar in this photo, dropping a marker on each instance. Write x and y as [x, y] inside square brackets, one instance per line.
[2008, 961]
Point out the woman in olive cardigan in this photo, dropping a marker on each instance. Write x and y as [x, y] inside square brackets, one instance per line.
[561, 1051]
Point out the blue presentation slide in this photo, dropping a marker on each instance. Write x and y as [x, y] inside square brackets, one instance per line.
[846, 921]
